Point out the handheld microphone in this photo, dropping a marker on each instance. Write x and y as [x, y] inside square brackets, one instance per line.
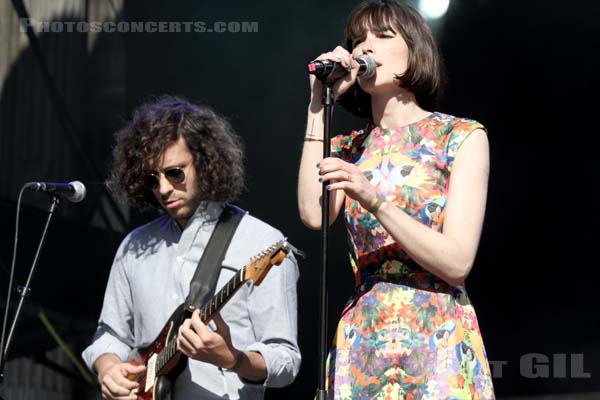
[72, 191]
[332, 71]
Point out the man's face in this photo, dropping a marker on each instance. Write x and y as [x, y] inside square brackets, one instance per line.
[179, 199]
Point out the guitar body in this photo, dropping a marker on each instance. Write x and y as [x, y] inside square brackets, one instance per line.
[158, 385]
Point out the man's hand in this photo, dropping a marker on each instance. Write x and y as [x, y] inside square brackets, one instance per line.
[112, 377]
[197, 341]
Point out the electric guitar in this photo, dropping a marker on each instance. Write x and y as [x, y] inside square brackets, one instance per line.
[162, 359]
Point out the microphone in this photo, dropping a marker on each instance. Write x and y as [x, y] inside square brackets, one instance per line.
[333, 71]
[72, 191]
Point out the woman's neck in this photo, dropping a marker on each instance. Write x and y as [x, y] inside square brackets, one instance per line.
[395, 110]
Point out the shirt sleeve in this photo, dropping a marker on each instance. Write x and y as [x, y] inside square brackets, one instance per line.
[273, 313]
[115, 327]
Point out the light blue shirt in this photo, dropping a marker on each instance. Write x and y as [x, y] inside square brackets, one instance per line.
[150, 277]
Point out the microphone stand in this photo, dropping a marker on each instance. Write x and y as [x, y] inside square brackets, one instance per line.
[24, 291]
[327, 101]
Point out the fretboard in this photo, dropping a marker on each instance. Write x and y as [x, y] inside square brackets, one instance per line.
[206, 312]
[223, 295]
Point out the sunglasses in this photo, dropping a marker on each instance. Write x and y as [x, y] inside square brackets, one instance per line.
[174, 175]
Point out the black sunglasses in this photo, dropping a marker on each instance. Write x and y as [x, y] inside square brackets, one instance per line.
[174, 175]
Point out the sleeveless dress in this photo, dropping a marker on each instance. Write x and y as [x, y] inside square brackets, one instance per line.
[405, 334]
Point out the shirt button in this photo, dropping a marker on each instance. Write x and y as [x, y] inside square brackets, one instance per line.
[179, 258]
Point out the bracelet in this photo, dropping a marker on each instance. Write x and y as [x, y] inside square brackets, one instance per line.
[311, 139]
[375, 206]
[239, 358]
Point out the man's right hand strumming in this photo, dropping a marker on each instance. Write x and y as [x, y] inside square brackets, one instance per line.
[112, 377]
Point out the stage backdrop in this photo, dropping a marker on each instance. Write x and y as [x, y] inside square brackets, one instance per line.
[526, 70]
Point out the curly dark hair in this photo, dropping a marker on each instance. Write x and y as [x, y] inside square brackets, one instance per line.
[425, 76]
[217, 150]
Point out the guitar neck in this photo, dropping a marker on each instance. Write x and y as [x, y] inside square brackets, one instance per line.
[206, 313]
[255, 270]
[223, 295]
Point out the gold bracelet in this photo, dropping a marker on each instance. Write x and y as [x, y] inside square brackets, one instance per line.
[375, 206]
[311, 139]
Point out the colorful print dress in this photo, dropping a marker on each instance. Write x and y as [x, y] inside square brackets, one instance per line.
[405, 334]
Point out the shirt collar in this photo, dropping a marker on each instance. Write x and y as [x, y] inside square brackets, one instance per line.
[207, 212]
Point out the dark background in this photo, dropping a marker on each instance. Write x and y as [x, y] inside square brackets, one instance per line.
[526, 70]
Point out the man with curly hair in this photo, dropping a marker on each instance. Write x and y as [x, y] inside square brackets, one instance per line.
[184, 159]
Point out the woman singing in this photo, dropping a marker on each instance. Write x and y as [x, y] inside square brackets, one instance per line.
[413, 183]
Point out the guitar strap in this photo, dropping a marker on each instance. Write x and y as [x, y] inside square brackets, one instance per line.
[207, 272]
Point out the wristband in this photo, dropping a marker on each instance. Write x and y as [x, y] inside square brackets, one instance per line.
[239, 358]
[311, 139]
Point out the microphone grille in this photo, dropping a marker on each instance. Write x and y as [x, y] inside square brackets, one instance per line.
[80, 191]
[370, 66]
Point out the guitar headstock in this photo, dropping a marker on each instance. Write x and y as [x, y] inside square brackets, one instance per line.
[259, 265]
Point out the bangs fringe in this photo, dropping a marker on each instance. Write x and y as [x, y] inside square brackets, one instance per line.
[379, 18]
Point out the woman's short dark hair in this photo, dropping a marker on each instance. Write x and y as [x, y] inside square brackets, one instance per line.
[425, 75]
[217, 150]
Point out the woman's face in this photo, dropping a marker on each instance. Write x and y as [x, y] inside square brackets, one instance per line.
[390, 52]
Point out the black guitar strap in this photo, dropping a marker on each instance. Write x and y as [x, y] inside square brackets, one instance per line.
[207, 272]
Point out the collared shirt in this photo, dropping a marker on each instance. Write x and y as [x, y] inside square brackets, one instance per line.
[150, 278]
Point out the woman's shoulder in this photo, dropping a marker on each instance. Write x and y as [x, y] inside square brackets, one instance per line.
[454, 123]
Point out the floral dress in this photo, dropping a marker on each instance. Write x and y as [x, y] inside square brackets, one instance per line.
[405, 333]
